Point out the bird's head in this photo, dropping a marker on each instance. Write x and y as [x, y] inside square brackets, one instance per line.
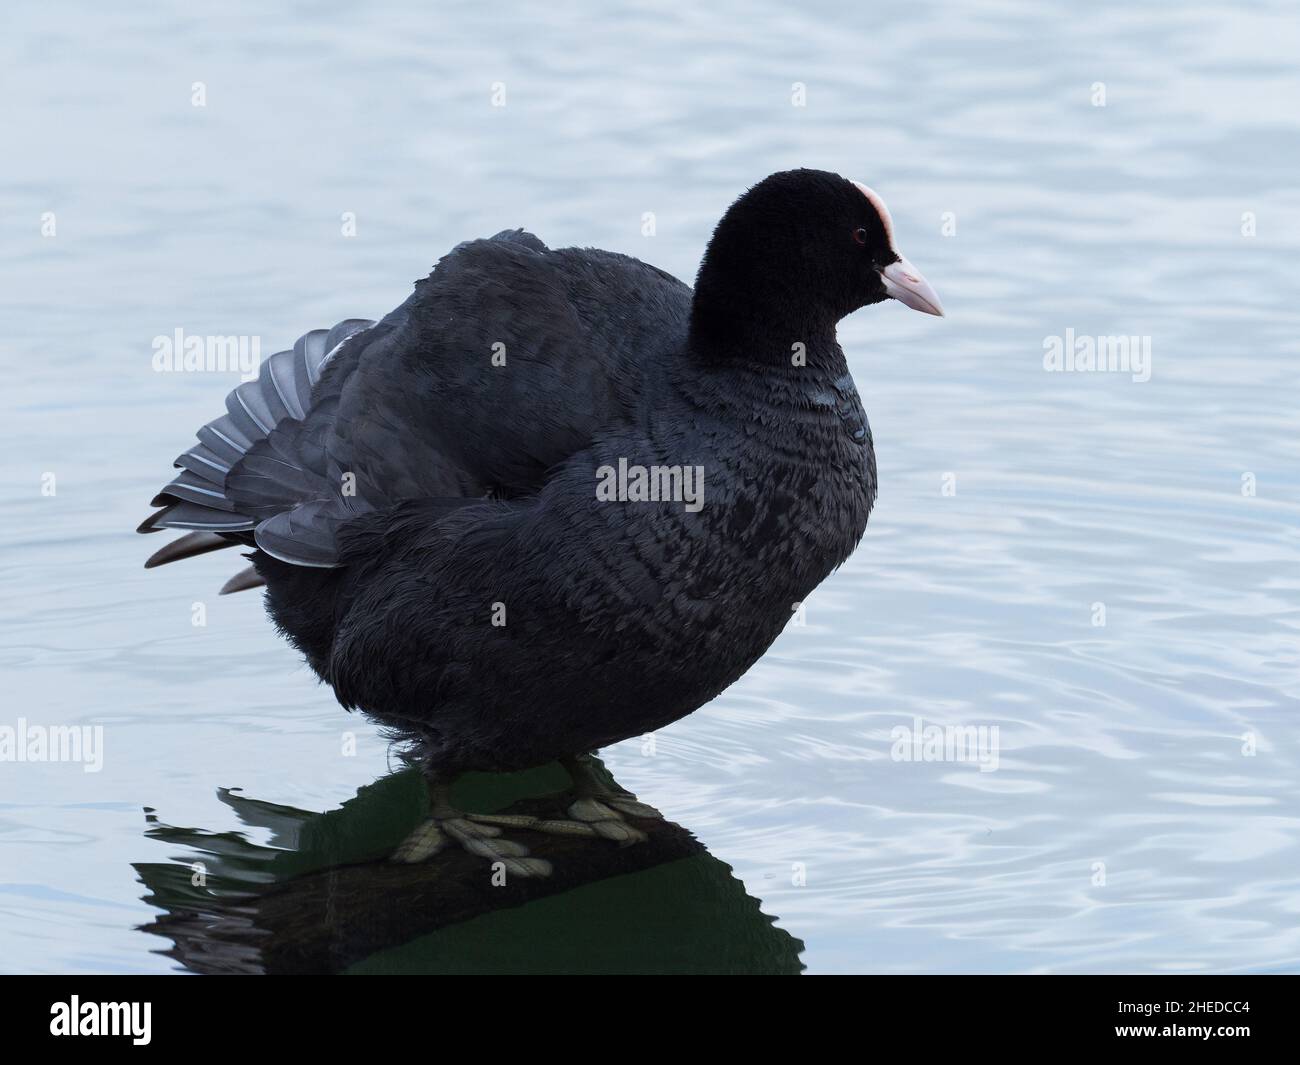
[799, 251]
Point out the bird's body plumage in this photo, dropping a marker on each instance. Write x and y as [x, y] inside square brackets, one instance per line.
[425, 508]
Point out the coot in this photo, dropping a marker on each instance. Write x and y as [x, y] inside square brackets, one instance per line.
[556, 498]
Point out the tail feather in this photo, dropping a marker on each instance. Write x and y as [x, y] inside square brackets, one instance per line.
[242, 581]
[190, 488]
[195, 516]
[281, 392]
[203, 462]
[274, 474]
[187, 546]
[150, 524]
[224, 439]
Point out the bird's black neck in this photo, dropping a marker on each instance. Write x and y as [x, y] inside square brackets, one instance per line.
[740, 312]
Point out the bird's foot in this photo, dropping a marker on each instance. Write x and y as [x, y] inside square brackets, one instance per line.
[604, 813]
[590, 817]
[600, 809]
[601, 805]
[446, 828]
[600, 815]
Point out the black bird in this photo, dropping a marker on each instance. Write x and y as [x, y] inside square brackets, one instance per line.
[556, 499]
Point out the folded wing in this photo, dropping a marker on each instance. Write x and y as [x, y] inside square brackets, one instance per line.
[506, 360]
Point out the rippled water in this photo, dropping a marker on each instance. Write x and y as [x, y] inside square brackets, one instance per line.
[1124, 827]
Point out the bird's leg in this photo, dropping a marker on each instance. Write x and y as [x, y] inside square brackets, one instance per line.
[447, 825]
[601, 805]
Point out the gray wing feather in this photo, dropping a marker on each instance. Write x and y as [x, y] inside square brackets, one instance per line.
[258, 463]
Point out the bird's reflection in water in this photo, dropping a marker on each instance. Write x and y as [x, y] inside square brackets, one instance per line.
[321, 896]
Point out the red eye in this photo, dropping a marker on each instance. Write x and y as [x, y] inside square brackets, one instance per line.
[860, 235]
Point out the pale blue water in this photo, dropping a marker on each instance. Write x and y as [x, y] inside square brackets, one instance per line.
[1120, 744]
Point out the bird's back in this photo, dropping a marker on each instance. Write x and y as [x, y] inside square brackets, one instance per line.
[508, 358]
